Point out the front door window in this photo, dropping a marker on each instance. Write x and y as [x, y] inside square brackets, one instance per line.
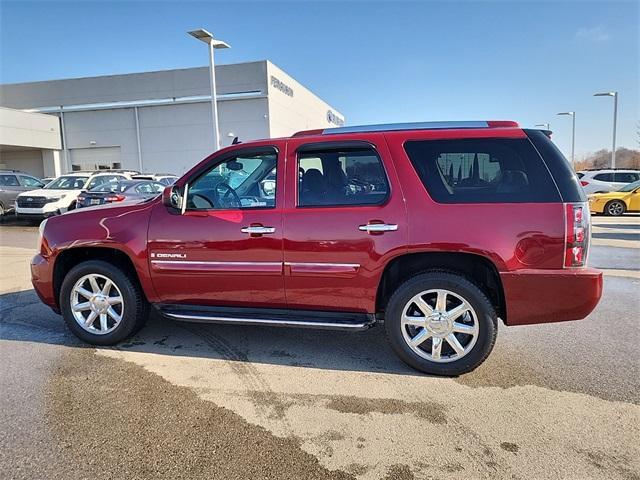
[238, 183]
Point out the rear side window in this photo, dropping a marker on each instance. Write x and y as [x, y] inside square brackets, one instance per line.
[9, 181]
[604, 177]
[341, 176]
[580, 174]
[626, 177]
[30, 182]
[493, 170]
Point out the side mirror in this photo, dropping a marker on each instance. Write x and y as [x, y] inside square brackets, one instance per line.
[172, 197]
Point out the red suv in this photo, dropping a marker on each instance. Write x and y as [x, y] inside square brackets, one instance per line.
[434, 229]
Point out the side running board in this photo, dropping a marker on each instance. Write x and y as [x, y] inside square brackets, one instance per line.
[268, 317]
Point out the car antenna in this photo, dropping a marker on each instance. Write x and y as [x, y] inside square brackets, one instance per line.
[235, 141]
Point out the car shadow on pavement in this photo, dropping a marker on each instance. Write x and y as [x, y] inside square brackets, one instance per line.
[24, 318]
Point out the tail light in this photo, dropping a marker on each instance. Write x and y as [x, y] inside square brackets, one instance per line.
[115, 198]
[583, 183]
[577, 234]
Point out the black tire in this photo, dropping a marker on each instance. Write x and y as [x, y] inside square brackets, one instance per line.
[72, 206]
[486, 318]
[135, 311]
[614, 208]
[2, 210]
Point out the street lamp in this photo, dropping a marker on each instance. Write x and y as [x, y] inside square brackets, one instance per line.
[207, 37]
[615, 115]
[573, 135]
[547, 126]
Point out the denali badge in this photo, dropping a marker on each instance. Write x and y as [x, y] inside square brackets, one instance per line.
[168, 255]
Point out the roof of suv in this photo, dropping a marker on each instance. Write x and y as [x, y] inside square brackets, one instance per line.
[393, 127]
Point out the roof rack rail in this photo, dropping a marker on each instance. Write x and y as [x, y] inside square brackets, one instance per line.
[390, 127]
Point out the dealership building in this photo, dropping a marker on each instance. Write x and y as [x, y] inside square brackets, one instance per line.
[152, 121]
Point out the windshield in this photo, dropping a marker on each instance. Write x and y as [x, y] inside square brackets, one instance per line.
[630, 187]
[67, 183]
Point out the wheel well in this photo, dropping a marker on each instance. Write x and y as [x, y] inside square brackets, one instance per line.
[481, 271]
[70, 258]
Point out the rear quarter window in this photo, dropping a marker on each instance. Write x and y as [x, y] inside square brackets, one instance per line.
[626, 177]
[488, 170]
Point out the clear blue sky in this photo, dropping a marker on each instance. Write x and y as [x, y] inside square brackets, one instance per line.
[373, 61]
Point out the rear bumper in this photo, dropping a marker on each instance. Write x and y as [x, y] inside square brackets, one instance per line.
[42, 281]
[545, 296]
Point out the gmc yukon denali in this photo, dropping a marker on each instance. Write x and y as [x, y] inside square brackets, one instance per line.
[434, 230]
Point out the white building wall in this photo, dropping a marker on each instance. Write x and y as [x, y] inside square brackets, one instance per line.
[247, 119]
[99, 129]
[26, 129]
[187, 82]
[300, 111]
[174, 137]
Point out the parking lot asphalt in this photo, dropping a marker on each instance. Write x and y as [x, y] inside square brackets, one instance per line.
[197, 401]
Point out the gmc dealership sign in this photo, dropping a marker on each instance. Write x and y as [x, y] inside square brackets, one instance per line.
[335, 119]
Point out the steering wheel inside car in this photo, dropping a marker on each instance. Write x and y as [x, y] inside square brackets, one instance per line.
[225, 196]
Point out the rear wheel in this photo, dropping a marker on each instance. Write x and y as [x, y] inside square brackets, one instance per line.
[614, 208]
[441, 323]
[101, 304]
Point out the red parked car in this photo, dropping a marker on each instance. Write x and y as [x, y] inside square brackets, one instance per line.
[434, 229]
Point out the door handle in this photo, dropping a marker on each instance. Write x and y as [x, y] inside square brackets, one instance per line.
[258, 230]
[378, 227]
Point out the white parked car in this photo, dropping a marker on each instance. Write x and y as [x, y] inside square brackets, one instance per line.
[61, 194]
[607, 180]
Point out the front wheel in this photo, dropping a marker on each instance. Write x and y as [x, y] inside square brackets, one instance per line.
[614, 208]
[441, 323]
[101, 304]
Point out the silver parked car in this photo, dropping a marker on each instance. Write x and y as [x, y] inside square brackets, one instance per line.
[13, 182]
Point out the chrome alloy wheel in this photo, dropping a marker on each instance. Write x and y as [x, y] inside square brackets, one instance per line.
[439, 325]
[615, 208]
[97, 304]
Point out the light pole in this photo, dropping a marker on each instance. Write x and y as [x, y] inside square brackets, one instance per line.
[547, 126]
[615, 118]
[207, 37]
[573, 135]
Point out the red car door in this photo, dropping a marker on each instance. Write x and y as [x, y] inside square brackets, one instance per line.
[344, 218]
[225, 249]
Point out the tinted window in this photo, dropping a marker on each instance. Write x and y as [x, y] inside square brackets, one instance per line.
[234, 183]
[30, 182]
[561, 170]
[110, 187]
[350, 176]
[580, 174]
[149, 188]
[604, 177]
[102, 179]
[625, 177]
[482, 171]
[9, 181]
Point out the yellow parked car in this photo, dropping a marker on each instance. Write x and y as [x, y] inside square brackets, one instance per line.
[627, 199]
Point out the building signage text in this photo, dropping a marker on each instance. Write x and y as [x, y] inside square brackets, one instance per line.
[283, 87]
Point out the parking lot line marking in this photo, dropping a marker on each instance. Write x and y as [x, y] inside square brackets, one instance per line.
[616, 272]
[615, 243]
